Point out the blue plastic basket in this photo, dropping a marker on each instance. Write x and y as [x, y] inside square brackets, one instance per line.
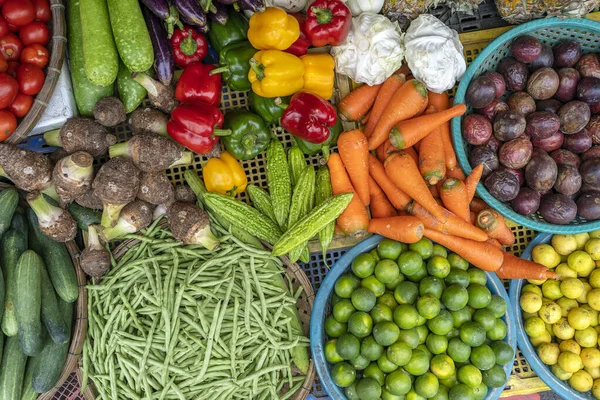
[548, 31]
[321, 309]
[556, 385]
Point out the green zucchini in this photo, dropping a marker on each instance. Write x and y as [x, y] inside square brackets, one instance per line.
[28, 302]
[100, 57]
[304, 193]
[84, 216]
[9, 198]
[279, 181]
[12, 246]
[323, 191]
[12, 370]
[297, 163]
[51, 317]
[310, 225]
[261, 200]
[131, 35]
[86, 93]
[131, 93]
[19, 223]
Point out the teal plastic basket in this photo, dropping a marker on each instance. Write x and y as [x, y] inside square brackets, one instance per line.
[548, 31]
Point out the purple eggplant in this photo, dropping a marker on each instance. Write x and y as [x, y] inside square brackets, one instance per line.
[227, 2]
[163, 58]
[190, 13]
[165, 12]
[220, 16]
[252, 5]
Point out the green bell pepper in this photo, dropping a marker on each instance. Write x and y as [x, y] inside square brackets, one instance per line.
[234, 61]
[312, 149]
[249, 134]
[270, 109]
[235, 30]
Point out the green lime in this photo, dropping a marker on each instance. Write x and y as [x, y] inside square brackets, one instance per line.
[363, 299]
[504, 353]
[392, 285]
[389, 249]
[427, 385]
[406, 316]
[437, 344]
[334, 328]
[345, 285]
[461, 392]
[386, 333]
[373, 284]
[368, 389]
[428, 306]
[419, 275]
[461, 316]
[469, 375]
[342, 310]
[457, 261]
[350, 392]
[343, 374]
[410, 337]
[478, 276]
[498, 332]
[449, 382]
[399, 353]
[472, 334]
[425, 350]
[442, 393]
[439, 251]
[454, 332]
[334, 299]
[375, 255]
[385, 395]
[422, 331]
[387, 271]
[370, 349]
[458, 350]
[494, 377]
[381, 313]
[373, 371]
[438, 266]
[479, 296]
[442, 366]
[360, 324]
[423, 247]
[431, 285]
[480, 392]
[386, 365]
[388, 299]
[398, 383]
[458, 276]
[485, 318]
[360, 363]
[441, 324]
[331, 354]
[363, 265]
[497, 306]
[348, 346]
[455, 297]
[412, 395]
[409, 262]
[406, 293]
[418, 364]
[483, 357]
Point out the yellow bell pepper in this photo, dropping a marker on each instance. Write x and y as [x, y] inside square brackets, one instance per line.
[274, 73]
[319, 74]
[273, 29]
[224, 175]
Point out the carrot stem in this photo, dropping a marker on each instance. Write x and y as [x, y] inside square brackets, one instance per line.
[494, 225]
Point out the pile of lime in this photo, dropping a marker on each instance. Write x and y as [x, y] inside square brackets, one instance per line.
[561, 316]
[413, 322]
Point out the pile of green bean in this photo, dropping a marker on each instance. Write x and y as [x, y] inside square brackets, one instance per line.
[179, 322]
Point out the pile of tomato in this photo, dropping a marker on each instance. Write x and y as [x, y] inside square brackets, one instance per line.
[24, 35]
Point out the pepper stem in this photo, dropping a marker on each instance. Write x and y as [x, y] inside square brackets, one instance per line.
[324, 15]
[221, 132]
[215, 71]
[248, 141]
[279, 103]
[258, 69]
[188, 46]
[172, 21]
[52, 138]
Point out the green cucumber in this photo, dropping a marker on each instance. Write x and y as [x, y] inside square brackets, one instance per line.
[131, 35]
[100, 57]
[297, 163]
[303, 196]
[51, 316]
[131, 93]
[279, 181]
[323, 191]
[84, 216]
[261, 200]
[9, 199]
[87, 94]
[12, 370]
[12, 246]
[19, 223]
[27, 393]
[28, 302]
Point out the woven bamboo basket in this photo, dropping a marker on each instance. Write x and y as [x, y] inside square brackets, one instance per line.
[57, 47]
[304, 306]
[79, 330]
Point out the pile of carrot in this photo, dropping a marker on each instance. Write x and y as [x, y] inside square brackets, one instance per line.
[402, 167]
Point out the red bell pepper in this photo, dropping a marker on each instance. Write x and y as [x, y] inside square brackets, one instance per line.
[308, 117]
[188, 46]
[301, 45]
[196, 84]
[328, 22]
[196, 126]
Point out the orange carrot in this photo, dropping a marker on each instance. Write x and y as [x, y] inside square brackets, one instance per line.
[491, 222]
[388, 88]
[358, 102]
[441, 102]
[495, 242]
[454, 226]
[454, 196]
[408, 132]
[406, 102]
[456, 173]
[410, 151]
[517, 268]
[477, 205]
[434, 191]
[481, 254]
[403, 171]
[402, 229]
[365, 118]
[354, 220]
[354, 150]
[380, 152]
[472, 180]
[380, 205]
[397, 197]
[432, 162]
[473, 218]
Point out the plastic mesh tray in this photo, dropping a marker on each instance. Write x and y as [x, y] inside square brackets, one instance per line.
[486, 17]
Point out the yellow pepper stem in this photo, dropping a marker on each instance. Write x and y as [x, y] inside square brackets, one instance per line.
[258, 69]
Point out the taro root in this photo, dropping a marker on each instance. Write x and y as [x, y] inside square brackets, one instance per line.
[578, 142]
[116, 184]
[144, 120]
[28, 170]
[514, 72]
[566, 53]
[593, 128]
[73, 176]
[134, 216]
[527, 201]
[542, 124]
[57, 154]
[486, 156]
[526, 48]
[54, 222]
[588, 66]
[151, 152]
[499, 83]
[491, 110]
[90, 200]
[502, 185]
[94, 259]
[493, 144]
[509, 125]
[481, 92]
[185, 194]
[545, 59]
[191, 225]
[558, 209]
[588, 90]
[568, 180]
[550, 143]
[521, 102]
[588, 205]
[476, 129]
[562, 156]
[109, 111]
[543, 84]
[161, 96]
[551, 105]
[515, 153]
[594, 152]
[590, 173]
[81, 134]
[567, 85]
[518, 173]
[541, 172]
[574, 116]
[156, 188]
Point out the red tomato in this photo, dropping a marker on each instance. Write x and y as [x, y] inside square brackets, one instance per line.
[13, 66]
[42, 10]
[18, 12]
[21, 105]
[30, 78]
[13, 28]
[8, 124]
[35, 54]
[8, 89]
[3, 27]
[3, 63]
[11, 47]
[35, 32]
